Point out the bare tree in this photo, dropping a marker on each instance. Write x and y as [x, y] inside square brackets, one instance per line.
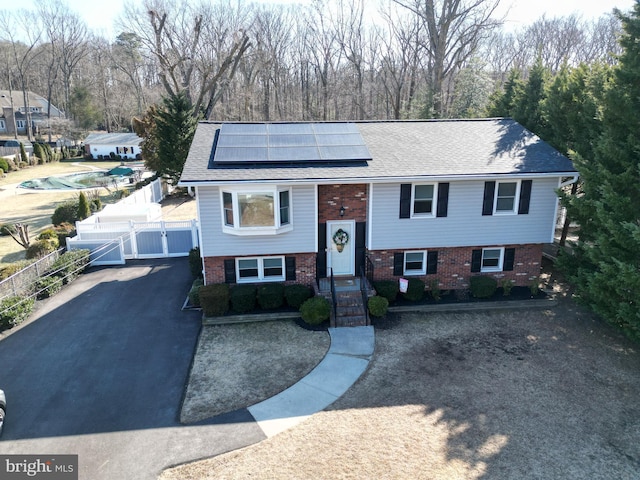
[454, 30]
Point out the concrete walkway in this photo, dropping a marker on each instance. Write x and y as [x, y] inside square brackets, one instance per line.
[348, 357]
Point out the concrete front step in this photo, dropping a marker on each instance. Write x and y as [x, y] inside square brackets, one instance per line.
[351, 321]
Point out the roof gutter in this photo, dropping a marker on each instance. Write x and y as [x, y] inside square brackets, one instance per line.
[436, 178]
[569, 181]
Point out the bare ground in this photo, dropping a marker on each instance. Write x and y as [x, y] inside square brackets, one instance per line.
[523, 394]
[238, 365]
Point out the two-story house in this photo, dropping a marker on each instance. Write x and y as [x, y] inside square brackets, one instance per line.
[13, 109]
[437, 199]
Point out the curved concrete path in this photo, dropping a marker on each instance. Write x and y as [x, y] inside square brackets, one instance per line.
[348, 357]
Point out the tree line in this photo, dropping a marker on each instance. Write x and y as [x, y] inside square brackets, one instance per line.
[327, 60]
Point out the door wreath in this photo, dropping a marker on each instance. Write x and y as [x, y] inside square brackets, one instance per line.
[340, 238]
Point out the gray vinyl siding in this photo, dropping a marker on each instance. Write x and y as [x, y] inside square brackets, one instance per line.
[300, 239]
[464, 225]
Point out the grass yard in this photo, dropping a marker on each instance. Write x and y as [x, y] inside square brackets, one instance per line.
[36, 208]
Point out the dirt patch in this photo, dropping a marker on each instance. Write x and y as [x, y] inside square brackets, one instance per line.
[522, 394]
[239, 365]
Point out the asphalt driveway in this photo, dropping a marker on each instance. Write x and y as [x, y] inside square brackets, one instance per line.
[100, 371]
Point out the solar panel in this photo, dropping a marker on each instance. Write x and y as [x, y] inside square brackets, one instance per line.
[296, 143]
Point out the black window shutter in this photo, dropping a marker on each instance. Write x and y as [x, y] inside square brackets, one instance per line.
[509, 257]
[405, 200]
[321, 260]
[443, 199]
[487, 203]
[398, 264]
[361, 233]
[432, 262]
[290, 268]
[525, 197]
[476, 260]
[230, 271]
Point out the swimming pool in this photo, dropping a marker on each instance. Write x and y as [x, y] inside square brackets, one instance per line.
[77, 181]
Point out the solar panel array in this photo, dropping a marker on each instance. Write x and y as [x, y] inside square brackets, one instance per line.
[289, 143]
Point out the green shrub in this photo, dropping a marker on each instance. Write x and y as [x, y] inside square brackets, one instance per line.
[63, 231]
[378, 306]
[434, 288]
[37, 151]
[270, 296]
[65, 213]
[14, 310]
[84, 210]
[534, 287]
[507, 285]
[195, 262]
[296, 294]
[4, 165]
[315, 310]
[48, 234]
[70, 265]
[95, 204]
[13, 268]
[40, 248]
[388, 289]
[243, 298]
[46, 287]
[483, 286]
[214, 299]
[194, 293]
[7, 229]
[415, 290]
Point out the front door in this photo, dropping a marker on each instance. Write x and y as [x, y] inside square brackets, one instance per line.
[341, 247]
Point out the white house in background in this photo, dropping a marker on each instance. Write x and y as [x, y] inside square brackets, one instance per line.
[109, 145]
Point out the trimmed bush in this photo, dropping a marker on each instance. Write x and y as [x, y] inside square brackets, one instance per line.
[270, 296]
[84, 210]
[40, 248]
[378, 306]
[388, 289]
[14, 310]
[434, 288]
[65, 213]
[415, 290]
[483, 286]
[63, 231]
[13, 268]
[70, 265]
[46, 287]
[7, 229]
[194, 293]
[95, 204]
[296, 294]
[507, 285]
[48, 234]
[243, 298]
[315, 310]
[4, 165]
[214, 299]
[195, 262]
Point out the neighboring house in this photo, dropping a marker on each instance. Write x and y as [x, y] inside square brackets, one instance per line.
[440, 199]
[111, 145]
[38, 112]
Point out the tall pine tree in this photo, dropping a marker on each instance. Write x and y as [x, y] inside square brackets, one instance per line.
[604, 265]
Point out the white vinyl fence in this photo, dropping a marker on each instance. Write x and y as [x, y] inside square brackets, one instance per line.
[112, 243]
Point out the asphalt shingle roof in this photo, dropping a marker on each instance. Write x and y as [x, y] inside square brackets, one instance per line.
[401, 150]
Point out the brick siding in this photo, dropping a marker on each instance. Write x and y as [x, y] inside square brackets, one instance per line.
[352, 197]
[454, 266]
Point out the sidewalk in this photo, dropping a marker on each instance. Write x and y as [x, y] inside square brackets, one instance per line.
[348, 357]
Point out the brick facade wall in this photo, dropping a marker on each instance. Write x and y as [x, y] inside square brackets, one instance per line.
[353, 198]
[454, 266]
[305, 268]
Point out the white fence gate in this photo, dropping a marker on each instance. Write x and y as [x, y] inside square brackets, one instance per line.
[113, 243]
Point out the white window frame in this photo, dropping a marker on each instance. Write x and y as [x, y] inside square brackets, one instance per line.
[272, 190]
[261, 276]
[422, 271]
[516, 199]
[500, 265]
[434, 201]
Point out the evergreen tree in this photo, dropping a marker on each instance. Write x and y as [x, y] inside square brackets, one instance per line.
[169, 132]
[604, 265]
[528, 109]
[84, 210]
[502, 103]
